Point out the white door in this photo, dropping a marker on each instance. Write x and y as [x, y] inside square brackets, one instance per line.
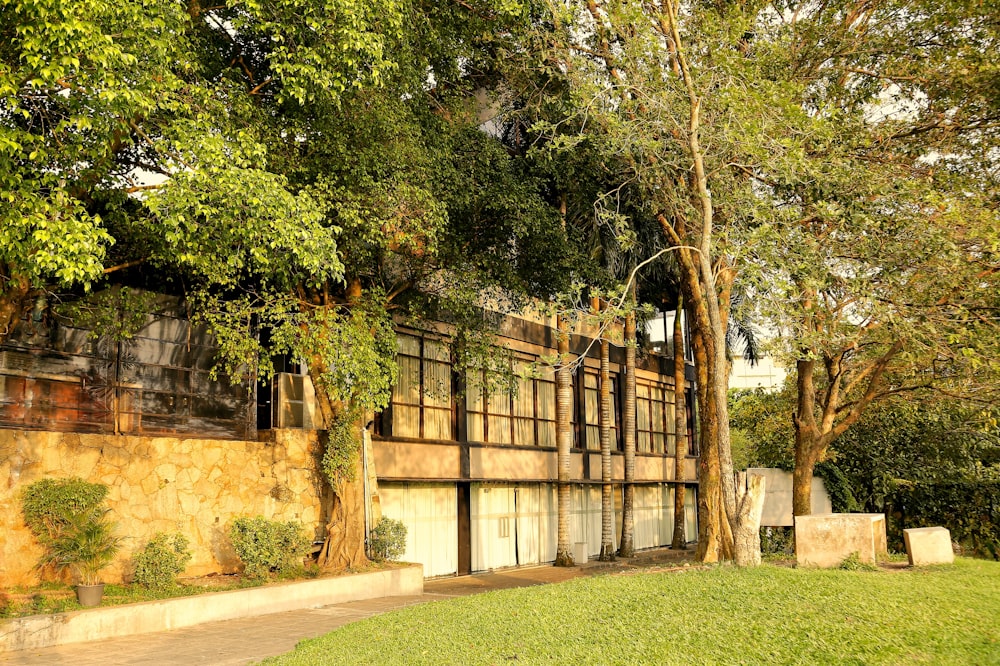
[430, 513]
[494, 525]
[648, 516]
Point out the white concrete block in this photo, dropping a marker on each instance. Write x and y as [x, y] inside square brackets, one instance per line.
[828, 539]
[928, 545]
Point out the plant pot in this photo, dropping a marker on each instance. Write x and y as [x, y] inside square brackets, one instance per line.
[90, 595]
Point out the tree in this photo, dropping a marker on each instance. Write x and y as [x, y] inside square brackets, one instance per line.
[636, 100]
[886, 278]
[287, 163]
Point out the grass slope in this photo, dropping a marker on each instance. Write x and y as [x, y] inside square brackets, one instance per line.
[768, 615]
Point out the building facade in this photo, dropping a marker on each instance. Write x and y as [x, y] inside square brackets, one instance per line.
[470, 472]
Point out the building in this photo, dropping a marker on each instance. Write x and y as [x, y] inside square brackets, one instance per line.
[471, 475]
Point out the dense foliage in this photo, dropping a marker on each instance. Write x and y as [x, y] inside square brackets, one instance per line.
[387, 540]
[265, 546]
[70, 521]
[160, 561]
[48, 503]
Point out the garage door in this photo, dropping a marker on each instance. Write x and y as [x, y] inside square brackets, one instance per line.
[430, 513]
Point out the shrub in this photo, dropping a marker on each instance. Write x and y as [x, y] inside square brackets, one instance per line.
[71, 523]
[268, 545]
[84, 542]
[387, 540]
[968, 507]
[48, 503]
[853, 563]
[161, 560]
[777, 541]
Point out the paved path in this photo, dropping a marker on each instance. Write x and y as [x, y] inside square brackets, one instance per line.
[249, 640]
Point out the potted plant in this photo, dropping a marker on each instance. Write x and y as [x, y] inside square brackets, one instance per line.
[84, 543]
[70, 520]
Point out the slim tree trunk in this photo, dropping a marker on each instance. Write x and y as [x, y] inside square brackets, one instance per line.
[710, 509]
[607, 501]
[679, 541]
[626, 547]
[564, 442]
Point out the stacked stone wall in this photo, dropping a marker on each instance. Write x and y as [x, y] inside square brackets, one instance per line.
[161, 484]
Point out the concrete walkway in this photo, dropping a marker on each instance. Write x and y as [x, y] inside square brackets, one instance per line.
[249, 640]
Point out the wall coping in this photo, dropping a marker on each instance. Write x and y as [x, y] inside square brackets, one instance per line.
[39, 631]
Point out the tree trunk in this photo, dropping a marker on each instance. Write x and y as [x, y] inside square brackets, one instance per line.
[344, 546]
[750, 507]
[344, 504]
[805, 464]
[679, 541]
[626, 547]
[607, 501]
[12, 296]
[710, 509]
[564, 442]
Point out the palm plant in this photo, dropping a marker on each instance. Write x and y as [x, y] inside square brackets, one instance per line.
[83, 542]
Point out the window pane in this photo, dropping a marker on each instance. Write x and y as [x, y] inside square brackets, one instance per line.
[437, 384]
[408, 344]
[524, 432]
[499, 432]
[437, 423]
[405, 421]
[407, 389]
[546, 433]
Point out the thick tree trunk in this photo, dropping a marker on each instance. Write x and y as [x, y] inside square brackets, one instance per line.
[626, 547]
[344, 504]
[750, 507]
[607, 501]
[679, 541]
[564, 442]
[344, 546]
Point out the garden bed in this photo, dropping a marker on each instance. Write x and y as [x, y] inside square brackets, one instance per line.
[37, 631]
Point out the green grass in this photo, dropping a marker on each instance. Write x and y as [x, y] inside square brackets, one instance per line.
[723, 615]
[50, 598]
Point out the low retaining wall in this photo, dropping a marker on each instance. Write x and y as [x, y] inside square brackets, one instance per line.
[38, 631]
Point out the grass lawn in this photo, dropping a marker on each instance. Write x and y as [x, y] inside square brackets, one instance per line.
[722, 615]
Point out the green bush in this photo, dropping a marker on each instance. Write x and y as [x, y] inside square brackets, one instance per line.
[268, 545]
[777, 541]
[387, 540]
[71, 523]
[83, 542]
[161, 560]
[48, 503]
[968, 507]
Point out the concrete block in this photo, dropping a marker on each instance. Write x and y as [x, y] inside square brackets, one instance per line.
[826, 540]
[778, 497]
[928, 545]
[580, 552]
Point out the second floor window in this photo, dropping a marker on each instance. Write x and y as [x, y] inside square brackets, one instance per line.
[421, 399]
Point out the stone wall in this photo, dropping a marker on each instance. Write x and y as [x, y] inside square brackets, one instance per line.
[161, 484]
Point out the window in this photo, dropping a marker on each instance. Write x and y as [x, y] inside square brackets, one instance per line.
[524, 418]
[654, 404]
[592, 408]
[421, 399]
